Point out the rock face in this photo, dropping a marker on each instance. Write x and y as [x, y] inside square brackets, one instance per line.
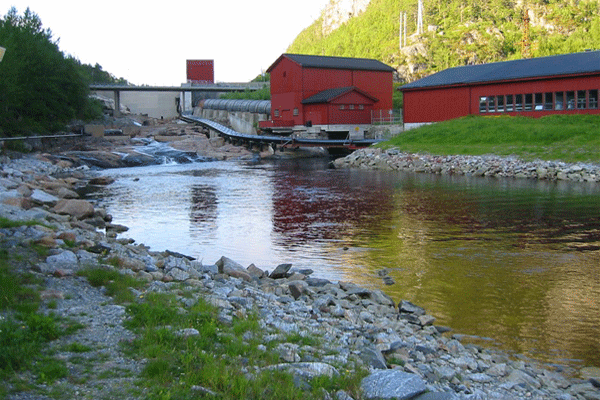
[392, 384]
[338, 12]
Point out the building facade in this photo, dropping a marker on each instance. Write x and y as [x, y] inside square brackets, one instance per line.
[562, 84]
[329, 94]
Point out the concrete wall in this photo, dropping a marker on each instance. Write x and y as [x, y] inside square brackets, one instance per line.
[243, 122]
[154, 104]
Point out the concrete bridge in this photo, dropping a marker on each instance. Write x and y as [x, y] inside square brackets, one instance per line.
[183, 89]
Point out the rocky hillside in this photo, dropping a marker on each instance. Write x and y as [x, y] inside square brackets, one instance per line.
[455, 32]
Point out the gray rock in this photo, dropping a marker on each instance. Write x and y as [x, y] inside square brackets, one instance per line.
[229, 267]
[307, 370]
[297, 288]
[373, 358]
[437, 396]
[39, 196]
[65, 259]
[281, 271]
[408, 307]
[392, 384]
[178, 274]
[317, 282]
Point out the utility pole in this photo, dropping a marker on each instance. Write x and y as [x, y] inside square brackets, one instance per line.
[402, 31]
[420, 18]
[525, 44]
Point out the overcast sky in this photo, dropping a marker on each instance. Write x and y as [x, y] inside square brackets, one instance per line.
[149, 42]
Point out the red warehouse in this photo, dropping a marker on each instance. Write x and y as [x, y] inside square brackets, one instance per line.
[200, 71]
[327, 96]
[562, 84]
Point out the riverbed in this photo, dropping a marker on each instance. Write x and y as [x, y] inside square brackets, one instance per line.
[512, 261]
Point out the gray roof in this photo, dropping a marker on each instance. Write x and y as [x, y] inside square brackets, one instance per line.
[337, 62]
[530, 68]
[329, 94]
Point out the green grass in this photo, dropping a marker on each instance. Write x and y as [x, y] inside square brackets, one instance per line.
[568, 138]
[117, 285]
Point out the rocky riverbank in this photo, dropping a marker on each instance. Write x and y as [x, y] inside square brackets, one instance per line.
[407, 355]
[488, 165]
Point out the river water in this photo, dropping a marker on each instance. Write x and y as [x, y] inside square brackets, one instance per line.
[511, 260]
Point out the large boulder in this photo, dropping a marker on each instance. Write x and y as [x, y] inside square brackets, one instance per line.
[392, 384]
[76, 208]
[229, 267]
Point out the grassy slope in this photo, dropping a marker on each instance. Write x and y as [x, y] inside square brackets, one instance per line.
[569, 138]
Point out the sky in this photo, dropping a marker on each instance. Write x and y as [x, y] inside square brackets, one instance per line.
[149, 42]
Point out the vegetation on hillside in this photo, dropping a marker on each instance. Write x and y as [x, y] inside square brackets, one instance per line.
[457, 32]
[41, 89]
[568, 138]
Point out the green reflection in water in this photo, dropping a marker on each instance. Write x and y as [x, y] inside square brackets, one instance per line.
[495, 259]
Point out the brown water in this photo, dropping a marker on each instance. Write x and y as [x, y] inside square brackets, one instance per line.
[515, 261]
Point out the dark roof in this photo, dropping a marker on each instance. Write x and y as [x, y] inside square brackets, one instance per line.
[530, 68]
[307, 61]
[330, 94]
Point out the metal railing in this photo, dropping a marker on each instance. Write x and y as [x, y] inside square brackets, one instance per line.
[386, 117]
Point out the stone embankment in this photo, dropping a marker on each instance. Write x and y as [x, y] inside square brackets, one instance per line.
[407, 355]
[487, 165]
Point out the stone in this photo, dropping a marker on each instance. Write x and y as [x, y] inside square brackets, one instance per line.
[297, 288]
[101, 181]
[280, 271]
[373, 358]
[64, 259]
[65, 193]
[229, 267]
[256, 272]
[437, 396]
[79, 209]
[408, 307]
[392, 384]
[178, 274]
[41, 197]
[307, 370]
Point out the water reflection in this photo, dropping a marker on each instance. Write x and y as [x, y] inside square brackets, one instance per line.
[515, 260]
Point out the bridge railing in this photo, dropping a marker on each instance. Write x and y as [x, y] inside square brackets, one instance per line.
[386, 117]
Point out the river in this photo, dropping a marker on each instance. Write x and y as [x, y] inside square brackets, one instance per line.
[513, 261]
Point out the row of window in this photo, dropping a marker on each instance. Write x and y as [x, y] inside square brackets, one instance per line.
[342, 107]
[569, 100]
[351, 106]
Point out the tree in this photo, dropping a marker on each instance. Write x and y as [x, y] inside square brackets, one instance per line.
[40, 88]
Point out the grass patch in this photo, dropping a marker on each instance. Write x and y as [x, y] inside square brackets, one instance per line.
[568, 138]
[223, 358]
[117, 285]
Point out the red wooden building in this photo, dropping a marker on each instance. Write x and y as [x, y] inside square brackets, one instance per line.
[562, 84]
[200, 71]
[327, 94]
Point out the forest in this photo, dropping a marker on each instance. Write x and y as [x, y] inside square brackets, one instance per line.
[41, 88]
[457, 32]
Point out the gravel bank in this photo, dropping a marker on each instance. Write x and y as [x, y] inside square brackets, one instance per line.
[488, 165]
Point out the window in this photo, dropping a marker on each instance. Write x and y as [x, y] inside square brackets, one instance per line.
[500, 104]
[539, 101]
[342, 107]
[296, 112]
[518, 102]
[276, 113]
[593, 98]
[510, 104]
[351, 107]
[570, 100]
[548, 101]
[482, 104]
[581, 101]
[492, 103]
[361, 107]
[559, 100]
[528, 102]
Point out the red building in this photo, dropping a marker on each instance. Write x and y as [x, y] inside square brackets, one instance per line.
[200, 71]
[327, 94]
[562, 84]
